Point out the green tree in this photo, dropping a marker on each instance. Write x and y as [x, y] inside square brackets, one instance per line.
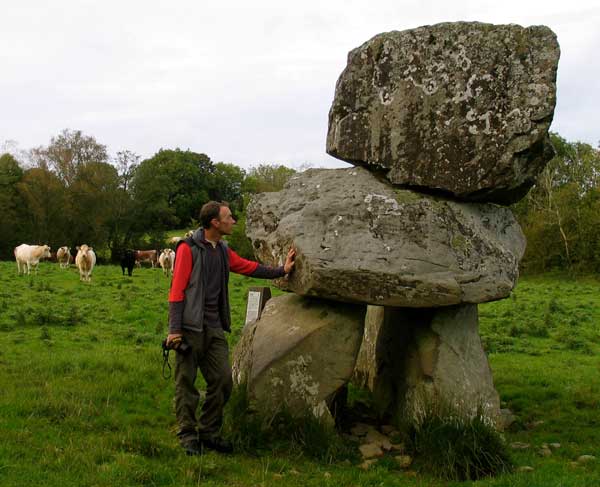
[67, 152]
[557, 215]
[45, 200]
[226, 185]
[267, 178]
[94, 204]
[122, 224]
[11, 205]
[169, 188]
[126, 163]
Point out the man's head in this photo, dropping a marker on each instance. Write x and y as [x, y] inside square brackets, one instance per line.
[215, 216]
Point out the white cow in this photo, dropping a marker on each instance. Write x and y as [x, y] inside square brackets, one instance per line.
[63, 256]
[30, 256]
[174, 240]
[85, 262]
[166, 261]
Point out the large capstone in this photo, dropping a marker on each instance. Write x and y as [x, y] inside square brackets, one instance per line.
[298, 355]
[358, 239]
[459, 107]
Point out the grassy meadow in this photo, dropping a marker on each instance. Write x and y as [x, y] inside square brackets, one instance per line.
[83, 401]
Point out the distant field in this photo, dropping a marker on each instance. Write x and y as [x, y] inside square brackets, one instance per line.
[82, 400]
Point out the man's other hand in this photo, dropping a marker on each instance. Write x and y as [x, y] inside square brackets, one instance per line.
[174, 338]
[289, 260]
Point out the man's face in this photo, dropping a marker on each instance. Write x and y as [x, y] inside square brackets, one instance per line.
[225, 222]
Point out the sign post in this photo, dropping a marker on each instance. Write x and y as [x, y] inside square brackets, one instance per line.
[257, 298]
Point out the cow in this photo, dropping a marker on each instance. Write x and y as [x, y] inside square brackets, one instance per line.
[85, 262]
[127, 261]
[30, 256]
[146, 256]
[174, 240]
[63, 256]
[166, 261]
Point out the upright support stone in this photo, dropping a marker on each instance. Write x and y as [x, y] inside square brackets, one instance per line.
[414, 360]
[367, 365]
[447, 366]
[299, 354]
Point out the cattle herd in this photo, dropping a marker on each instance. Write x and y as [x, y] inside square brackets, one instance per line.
[28, 257]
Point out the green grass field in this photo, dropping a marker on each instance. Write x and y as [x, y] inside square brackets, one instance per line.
[83, 401]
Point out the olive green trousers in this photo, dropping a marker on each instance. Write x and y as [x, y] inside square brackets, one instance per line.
[209, 353]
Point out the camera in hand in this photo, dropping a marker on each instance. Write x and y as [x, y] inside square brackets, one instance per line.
[178, 344]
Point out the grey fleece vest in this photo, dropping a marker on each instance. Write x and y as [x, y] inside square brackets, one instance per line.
[193, 307]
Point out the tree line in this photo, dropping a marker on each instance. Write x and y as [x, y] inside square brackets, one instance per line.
[72, 192]
[560, 216]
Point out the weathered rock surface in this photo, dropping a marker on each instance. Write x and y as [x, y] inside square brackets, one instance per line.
[428, 359]
[380, 439]
[367, 365]
[449, 362]
[370, 450]
[461, 107]
[298, 354]
[360, 240]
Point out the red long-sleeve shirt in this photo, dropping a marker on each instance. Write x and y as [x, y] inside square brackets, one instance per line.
[183, 270]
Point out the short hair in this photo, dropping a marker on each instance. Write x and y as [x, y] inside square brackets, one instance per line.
[211, 210]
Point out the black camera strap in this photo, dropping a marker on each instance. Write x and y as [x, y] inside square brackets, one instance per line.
[165, 354]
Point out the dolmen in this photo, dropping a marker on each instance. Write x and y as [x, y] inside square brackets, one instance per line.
[443, 125]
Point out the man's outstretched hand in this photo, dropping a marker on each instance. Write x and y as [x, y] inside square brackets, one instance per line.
[289, 260]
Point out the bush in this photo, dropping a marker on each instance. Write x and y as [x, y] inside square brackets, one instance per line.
[453, 447]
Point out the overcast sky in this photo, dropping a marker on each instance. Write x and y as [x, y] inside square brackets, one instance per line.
[244, 82]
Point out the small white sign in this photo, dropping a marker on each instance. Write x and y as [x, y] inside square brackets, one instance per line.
[253, 307]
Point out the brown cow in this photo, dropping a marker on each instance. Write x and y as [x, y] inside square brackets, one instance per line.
[146, 256]
[63, 256]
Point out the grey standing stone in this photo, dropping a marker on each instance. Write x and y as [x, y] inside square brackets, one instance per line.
[430, 359]
[459, 365]
[365, 372]
[299, 354]
[360, 240]
[460, 107]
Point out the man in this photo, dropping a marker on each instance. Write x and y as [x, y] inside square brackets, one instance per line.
[199, 315]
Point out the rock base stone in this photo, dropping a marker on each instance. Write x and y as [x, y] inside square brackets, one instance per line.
[299, 354]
